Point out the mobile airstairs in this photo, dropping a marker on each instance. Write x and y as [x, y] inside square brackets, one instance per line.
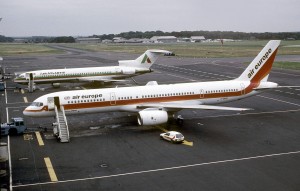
[60, 127]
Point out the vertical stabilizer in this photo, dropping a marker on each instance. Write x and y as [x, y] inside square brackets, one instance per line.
[259, 69]
[145, 60]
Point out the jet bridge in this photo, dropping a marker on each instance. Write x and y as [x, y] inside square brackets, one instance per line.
[60, 127]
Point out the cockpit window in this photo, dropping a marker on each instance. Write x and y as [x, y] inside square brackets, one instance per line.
[37, 104]
[21, 76]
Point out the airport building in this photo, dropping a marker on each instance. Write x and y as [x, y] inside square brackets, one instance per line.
[197, 38]
[88, 40]
[164, 39]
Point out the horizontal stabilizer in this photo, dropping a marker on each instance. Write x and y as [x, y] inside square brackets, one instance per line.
[145, 60]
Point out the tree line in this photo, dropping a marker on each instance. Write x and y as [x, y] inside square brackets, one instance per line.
[181, 34]
[206, 34]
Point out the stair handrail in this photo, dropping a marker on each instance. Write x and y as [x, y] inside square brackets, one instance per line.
[57, 119]
[66, 122]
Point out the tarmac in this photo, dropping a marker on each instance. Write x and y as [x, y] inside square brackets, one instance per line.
[224, 150]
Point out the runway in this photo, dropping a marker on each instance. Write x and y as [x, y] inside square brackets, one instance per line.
[253, 150]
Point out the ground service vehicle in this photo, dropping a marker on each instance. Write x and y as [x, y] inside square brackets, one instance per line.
[2, 88]
[173, 136]
[16, 126]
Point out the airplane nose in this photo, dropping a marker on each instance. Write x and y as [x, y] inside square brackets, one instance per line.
[26, 112]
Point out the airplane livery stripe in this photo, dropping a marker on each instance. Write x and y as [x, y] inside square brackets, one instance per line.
[265, 69]
[262, 73]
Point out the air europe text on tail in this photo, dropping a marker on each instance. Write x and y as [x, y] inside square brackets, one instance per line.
[259, 69]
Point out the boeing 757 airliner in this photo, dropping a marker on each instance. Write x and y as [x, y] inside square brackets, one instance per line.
[153, 103]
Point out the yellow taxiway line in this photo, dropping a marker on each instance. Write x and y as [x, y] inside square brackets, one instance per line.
[187, 143]
[39, 138]
[50, 169]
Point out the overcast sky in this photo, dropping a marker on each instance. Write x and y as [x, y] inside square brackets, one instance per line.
[88, 17]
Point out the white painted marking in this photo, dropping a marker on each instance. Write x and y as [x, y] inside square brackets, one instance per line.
[5, 92]
[279, 100]
[24, 158]
[9, 163]
[164, 169]
[7, 118]
[181, 77]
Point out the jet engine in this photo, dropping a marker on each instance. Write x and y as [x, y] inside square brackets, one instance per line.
[128, 70]
[56, 85]
[152, 117]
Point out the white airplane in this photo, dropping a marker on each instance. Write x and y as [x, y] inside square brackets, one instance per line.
[155, 103]
[126, 69]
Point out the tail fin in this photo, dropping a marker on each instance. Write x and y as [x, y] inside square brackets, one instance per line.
[145, 60]
[259, 69]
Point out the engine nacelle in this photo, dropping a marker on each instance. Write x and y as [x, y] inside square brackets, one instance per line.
[56, 85]
[152, 117]
[128, 70]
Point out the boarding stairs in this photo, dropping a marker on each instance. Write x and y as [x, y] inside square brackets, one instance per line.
[30, 82]
[62, 125]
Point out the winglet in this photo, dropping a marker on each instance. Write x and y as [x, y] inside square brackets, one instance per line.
[259, 69]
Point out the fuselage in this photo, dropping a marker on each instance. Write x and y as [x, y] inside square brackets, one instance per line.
[129, 98]
[80, 74]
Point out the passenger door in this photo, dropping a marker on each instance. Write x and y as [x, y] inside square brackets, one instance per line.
[112, 98]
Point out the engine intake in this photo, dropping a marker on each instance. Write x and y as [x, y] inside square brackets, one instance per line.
[152, 117]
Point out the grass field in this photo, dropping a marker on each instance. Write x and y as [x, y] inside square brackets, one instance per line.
[287, 65]
[201, 50]
[12, 49]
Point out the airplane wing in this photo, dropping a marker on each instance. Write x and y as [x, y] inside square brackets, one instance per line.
[183, 106]
[97, 79]
[265, 88]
